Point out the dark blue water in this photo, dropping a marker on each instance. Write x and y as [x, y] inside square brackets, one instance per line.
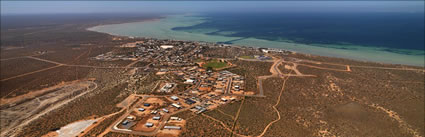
[391, 30]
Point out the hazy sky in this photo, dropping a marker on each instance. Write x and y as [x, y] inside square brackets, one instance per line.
[52, 7]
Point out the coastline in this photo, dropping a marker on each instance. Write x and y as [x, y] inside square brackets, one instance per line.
[93, 26]
[361, 54]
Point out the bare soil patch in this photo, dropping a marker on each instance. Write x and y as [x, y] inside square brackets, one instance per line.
[13, 115]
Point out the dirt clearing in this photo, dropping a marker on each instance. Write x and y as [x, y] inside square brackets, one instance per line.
[19, 113]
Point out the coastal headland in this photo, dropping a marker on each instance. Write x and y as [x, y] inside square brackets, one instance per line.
[167, 86]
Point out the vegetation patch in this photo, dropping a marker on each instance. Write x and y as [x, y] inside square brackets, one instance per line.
[215, 64]
[251, 70]
[203, 126]
[247, 57]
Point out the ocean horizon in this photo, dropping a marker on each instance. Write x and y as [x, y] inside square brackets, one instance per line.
[380, 37]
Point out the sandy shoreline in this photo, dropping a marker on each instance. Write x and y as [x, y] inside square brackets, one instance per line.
[309, 51]
[93, 27]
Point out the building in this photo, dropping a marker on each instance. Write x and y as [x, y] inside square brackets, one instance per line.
[200, 109]
[149, 124]
[125, 122]
[174, 98]
[146, 104]
[141, 109]
[166, 46]
[165, 110]
[176, 105]
[156, 117]
[172, 127]
[189, 101]
[175, 118]
[189, 81]
[167, 87]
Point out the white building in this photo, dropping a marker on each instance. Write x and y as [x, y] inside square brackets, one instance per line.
[175, 105]
[172, 127]
[156, 117]
[149, 124]
[166, 46]
[174, 98]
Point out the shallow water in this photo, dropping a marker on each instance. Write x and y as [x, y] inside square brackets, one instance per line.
[166, 29]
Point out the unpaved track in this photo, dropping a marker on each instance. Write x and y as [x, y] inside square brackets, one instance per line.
[237, 117]
[224, 125]
[49, 61]
[132, 63]
[98, 122]
[12, 58]
[274, 107]
[33, 94]
[360, 66]
[16, 127]
[21, 75]
[311, 66]
[357, 66]
[275, 73]
[79, 56]
[84, 66]
[20, 57]
[233, 118]
[62, 64]
[411, 69]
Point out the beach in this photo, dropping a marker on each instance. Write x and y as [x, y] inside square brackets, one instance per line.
[164, 29]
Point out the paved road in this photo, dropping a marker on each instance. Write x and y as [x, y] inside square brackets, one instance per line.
[229, 84]
[275, 73]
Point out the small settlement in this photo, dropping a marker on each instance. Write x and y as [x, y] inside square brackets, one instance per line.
[206, 88]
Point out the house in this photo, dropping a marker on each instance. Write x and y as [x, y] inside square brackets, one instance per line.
[166, 46]
[156, 117]
[174, 98]
[125, 122]
[172, 127]
[175, 118]
[130, 117]
[194, 92]
[141, 109]
[177, 106]
[146, 104]
[200, 109]
[168, 85]
[154, 111]
[189, 101]
[189, 81]
[149, 124]
[165, 110]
